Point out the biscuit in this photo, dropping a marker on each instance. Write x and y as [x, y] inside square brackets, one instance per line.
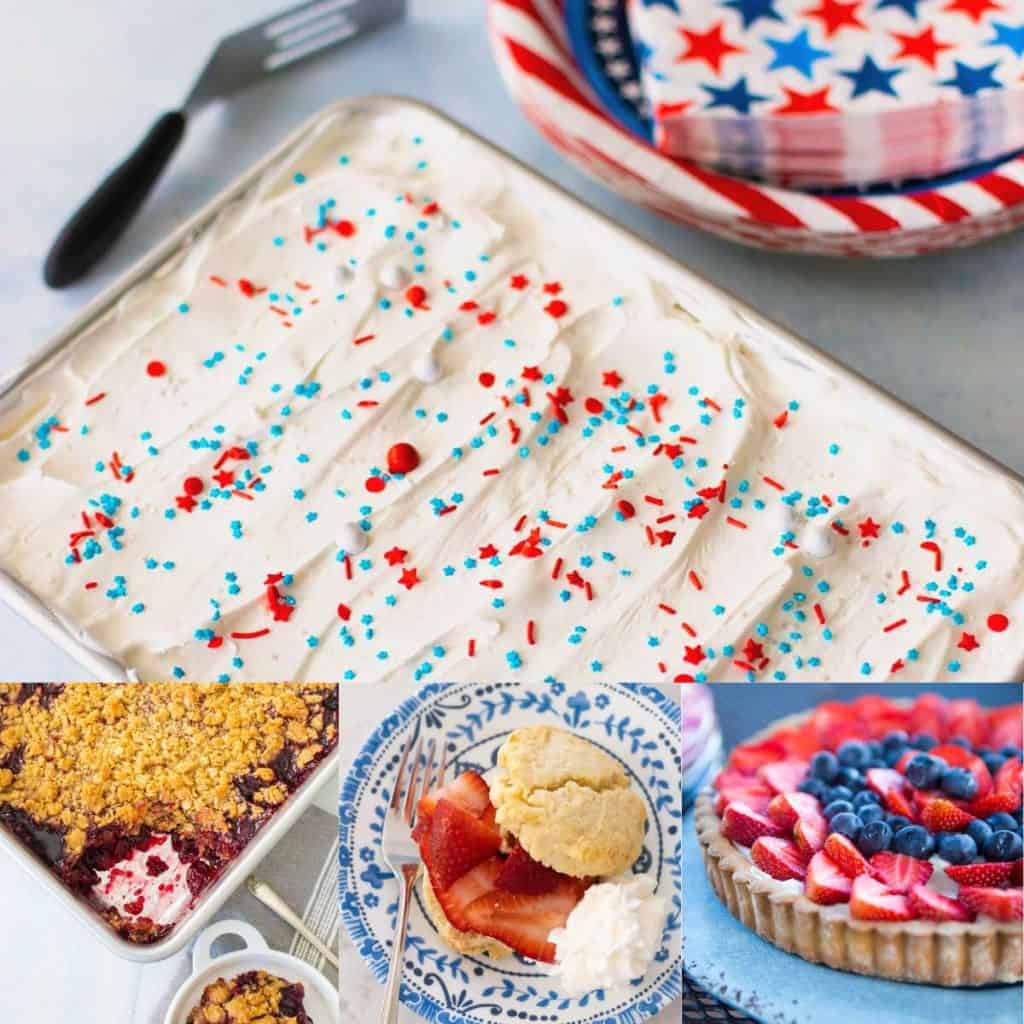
[568, 803]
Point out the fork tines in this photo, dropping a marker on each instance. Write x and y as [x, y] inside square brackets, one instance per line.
[423, 776]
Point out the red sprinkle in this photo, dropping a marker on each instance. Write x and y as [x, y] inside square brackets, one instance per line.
[374, 484]
[625, 509]
[402, 458]
[819, 614]
[251, 636]
[894, 625]
[780, 420]
[530, 637]
[998, 622]
[96, 398]
[364, 339]
[486, 379]
[344, 612]
[556, 308]
[193, 485]
[471, 646]
[594, 406]
[695, 580]
[416, 296]
[156, 368]
[930, 545]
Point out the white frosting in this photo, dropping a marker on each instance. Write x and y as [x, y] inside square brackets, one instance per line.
[818, 540]
[164, 897]
[611, 935]
[268, 301]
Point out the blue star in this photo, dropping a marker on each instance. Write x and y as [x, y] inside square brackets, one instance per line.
[872, 78]
[751, 10]
[910, 6]
[798, 53]
[1009, 35]
[972, 80]
[737, 96]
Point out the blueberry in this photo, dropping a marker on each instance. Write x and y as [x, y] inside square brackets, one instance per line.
[824, 765]
[1011, 751]
[1003, 845]
[837, 807]
[993, 761]
[840, 793]
[865, 797]
[897, 821]
[814, 786]
[914, 841]
[896, 740]
[848, 824]
[851, 778]
[960, 783]
[891, 757]
[874, 837]
[979, 831]
[871, 812]
[874, 749]
[854, 753]
[923, 741]
[880, 762]
[960, 741]
[924, 771]
[1002, 821]
[957, 849]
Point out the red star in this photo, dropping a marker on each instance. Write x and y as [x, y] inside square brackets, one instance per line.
[282, 612]
[574, 578]
[395, 556]
[708, 46]
[923, 46]
[532, 373]
[752, 650]
[519, 282]
[185, 502]
[973, 9]
[673, 451]
[552, 288]
[225, 478]
[835, 15]
[563, 396]
[698, 511]
[610, 379]
[968, 642]
[694, 655]
[665, 537]
[409, 578]
[897, 666]
[869, 528]
[488, 551]
[803, 103]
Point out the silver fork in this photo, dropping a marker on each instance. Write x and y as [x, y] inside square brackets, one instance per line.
[401, 853]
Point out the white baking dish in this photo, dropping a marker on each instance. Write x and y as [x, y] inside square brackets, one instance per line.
[209, 903]
[718, 310]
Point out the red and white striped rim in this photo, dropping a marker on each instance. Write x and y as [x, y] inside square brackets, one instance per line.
[532, 51]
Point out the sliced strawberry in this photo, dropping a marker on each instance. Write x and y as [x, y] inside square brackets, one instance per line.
[467, 890]
[779, 858]
[1005, 727]
[1009, 780]
[957, 757]
[748, 757]
[799, 743]
[746, 789]
[966, 719]
[933, 906]
[834, 723]
[521, 873]
[941, 815]
[998, 874]
[894, 789]
[993, 804]
[787, 809]
[872, 901]
[810, 835]
[928, 715]
[743, 825]
[456, 843]
[846, 856]
[905, 759]
[524, 922]
[1002, 904]
[825, 883]
[470, 791]
[784, 776]
[900, 872]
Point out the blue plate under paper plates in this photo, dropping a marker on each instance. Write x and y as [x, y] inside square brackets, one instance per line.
[732, 963]
[638, 726]
[603, 49]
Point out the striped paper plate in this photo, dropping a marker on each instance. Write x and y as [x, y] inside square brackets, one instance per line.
[532, 48]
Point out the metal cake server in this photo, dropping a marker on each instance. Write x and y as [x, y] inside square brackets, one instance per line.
[240, 60]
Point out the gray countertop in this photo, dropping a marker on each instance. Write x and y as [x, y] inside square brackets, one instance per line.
[942, 332]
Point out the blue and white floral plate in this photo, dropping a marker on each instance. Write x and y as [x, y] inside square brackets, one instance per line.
[639, 726]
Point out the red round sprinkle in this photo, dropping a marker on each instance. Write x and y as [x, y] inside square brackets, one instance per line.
[556, 308]
[344, 612]
[193, 486]
[345, 228]
[374, 484]
[416, 295]
[998, 622]
[594, 406]
[626, 509]
[156, 368]
[486, 379]
[402, 458]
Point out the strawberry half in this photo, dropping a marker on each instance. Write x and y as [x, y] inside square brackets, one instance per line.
[846, 856]
[957, 757]
[993, 804]
[900, 872]
[933, 906]
[942, 815]
[521, 873]
[744, 825]
[456, 843]
[748, 757]
[469, 790]
[894, 790]
[1002, 904]
[1009, 780]
[810, 835]
[787, 809]
[825, 883]
[779, 858]
[473, 885]
[872, 901]
[998, 874]
[745, 789]
[784, 776]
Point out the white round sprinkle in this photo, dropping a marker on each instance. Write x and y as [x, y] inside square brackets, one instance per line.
[343, 275]
[351, 539]
[394, 276]
[786, 519]
[818, 540]
[426, 369]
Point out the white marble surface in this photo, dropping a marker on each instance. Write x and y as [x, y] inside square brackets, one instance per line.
[942, 332]
[361, 993]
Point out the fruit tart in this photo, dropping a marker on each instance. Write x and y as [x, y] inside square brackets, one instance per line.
[254, 997]
[880, 837]
[138, 796]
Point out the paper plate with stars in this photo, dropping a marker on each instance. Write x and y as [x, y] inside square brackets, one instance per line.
[572, 68]
[638, 726]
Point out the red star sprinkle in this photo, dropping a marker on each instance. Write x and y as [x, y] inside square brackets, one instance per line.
[698, 511]
[519, 282]
[532, 373]
[395, 556]
[869, 528]
[610, 379]
[709, 47]
[924, 46]
[974, 9]
[185, 502]
[835, 15]
[225, 478]
[665, 537]
[968, 642]
[752, 650]
[552, 288]
[694, 655]
[556, 308]
[815, 102]
[409, 578]
[487, 551]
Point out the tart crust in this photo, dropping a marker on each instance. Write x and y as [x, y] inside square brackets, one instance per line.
[948, 953]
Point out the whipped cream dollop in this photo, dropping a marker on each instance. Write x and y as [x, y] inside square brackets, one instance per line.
[611, 936]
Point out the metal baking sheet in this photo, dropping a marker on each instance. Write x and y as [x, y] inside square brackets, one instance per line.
[209, 903]
[712, 305]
